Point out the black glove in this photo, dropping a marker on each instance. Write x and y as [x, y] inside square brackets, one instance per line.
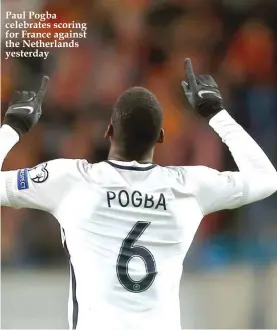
[202, 93]
[25, 109]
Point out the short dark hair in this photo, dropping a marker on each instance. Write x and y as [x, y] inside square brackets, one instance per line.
[137, 121]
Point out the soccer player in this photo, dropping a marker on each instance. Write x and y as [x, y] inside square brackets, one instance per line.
[126, 222]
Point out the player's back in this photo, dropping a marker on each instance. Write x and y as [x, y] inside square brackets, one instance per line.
[127, 227]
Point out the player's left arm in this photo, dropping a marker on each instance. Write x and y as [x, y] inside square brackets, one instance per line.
[44, 186]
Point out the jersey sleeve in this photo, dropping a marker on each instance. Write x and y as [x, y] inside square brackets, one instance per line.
[42, 187]
[216, 190]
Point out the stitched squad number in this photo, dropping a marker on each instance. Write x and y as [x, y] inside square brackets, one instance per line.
[130, 250]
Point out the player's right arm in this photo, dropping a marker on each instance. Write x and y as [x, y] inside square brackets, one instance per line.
[256, 178]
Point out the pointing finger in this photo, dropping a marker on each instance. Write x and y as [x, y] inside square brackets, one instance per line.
[43, 88]
[190, 75]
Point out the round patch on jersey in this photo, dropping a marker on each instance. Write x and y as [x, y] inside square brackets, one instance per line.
[39, 173]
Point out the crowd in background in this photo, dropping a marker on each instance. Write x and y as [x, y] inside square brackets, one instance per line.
[144, 43]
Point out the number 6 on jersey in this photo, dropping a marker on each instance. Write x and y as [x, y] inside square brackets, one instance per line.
[128, 251]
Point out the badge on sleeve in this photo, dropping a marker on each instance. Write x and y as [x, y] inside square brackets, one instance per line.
[39, 173]
[22, 179]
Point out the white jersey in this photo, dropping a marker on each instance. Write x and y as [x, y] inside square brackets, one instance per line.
[128, 226]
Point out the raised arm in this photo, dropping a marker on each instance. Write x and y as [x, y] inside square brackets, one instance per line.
[258, 174]
[8, 138]
[23, 113]
[257, 177]
[45, 185]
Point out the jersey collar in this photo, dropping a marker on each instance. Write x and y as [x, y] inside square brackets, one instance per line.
[131, 166]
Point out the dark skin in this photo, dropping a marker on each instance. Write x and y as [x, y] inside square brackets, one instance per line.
[116, 152]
